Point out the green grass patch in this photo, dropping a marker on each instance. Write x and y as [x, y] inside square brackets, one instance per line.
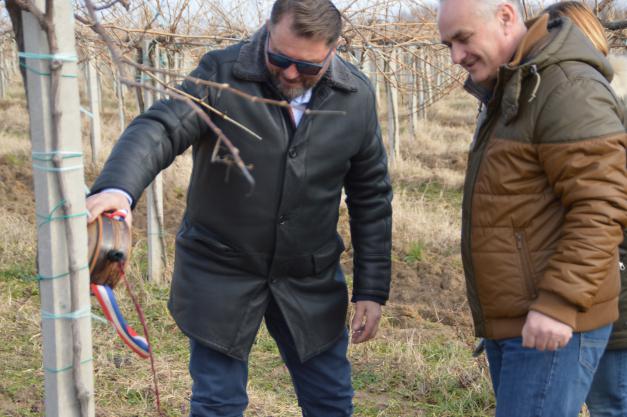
[429, 191]
[415, 253]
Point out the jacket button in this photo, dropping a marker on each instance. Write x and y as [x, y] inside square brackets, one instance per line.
[292, 153]
[273, 281]
[282, 219]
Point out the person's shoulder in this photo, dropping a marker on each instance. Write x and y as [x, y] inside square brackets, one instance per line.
[572, 71]
[576, 103]
[358, 78]
[224, 55]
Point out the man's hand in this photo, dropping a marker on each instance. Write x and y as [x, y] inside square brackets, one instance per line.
[105, 201]
[365, 321]
[544, 333]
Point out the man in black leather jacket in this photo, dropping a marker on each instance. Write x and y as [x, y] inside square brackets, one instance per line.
[274, 252]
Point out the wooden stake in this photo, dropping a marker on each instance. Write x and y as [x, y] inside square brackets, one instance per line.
[426, 81]
[413, 96]
[94, 108]
[371, 68]
[3, 73]
[68, 376]
[154, 196]
[120, 94]
[392, 110]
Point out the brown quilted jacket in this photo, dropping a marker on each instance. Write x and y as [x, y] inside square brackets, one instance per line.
[545, 198]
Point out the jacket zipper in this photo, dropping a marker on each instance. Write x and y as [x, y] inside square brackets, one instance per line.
[478, 147]
[523, 252]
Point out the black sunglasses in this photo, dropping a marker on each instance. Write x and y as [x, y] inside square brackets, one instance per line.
[303, 67]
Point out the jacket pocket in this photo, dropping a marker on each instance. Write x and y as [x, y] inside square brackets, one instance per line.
[525, 261]
[204, 239]
[328, 255]
[310, 264]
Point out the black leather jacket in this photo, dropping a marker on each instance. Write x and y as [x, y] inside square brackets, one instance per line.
[235, 247]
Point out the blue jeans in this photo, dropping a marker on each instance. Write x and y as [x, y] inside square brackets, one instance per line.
[322, 384]
[608, 395]
[530, 383]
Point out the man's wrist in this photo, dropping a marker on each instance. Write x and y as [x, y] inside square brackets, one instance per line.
[117, 190]
[362, 297]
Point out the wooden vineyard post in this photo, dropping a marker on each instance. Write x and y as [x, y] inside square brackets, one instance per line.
[370, 68]
[3, 73]
[119, 90]
[420, 83]
[60, 205]
[94, 109]
[154, 195]
[412, 92]
[375, 75]
[392, 105]
[426, 79]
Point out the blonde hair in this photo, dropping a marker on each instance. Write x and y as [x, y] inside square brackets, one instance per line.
[584, 18]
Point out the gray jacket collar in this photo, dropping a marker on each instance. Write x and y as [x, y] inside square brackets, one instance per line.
[251, 66]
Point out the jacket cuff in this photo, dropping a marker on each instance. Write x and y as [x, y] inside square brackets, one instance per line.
[556, 307]
[117, 190]
[376, 299]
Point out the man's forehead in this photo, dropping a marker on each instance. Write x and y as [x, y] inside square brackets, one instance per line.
[456, 16]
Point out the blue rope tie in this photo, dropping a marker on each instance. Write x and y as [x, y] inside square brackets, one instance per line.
[48, 57]
[74, 315]
[67, 368]
[51, 217]
[62, 169]
[49, 157]
[44, 74]
[100, 319]
[39, 277]
[87, 112]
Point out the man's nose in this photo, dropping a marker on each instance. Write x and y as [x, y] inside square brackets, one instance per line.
[291, 72]
[457, 54]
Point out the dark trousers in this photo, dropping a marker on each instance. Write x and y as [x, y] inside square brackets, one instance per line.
[322, 383]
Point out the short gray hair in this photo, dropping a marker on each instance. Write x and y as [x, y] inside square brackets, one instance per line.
[489, 7]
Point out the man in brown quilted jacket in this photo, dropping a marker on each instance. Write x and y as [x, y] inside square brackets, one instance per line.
[545, 202]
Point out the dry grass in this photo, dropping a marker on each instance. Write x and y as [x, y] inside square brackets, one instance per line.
[436, 224]
[429, 176]
[419, 366]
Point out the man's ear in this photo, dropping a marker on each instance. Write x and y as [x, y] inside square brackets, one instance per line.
[507, 16]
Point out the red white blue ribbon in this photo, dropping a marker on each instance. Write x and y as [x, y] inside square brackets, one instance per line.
[106, 298]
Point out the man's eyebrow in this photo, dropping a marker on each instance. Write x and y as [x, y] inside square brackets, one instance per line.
[462, 33]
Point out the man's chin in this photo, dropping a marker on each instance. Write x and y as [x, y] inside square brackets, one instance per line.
[476, 76]
[482, 77]
[290, 92]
